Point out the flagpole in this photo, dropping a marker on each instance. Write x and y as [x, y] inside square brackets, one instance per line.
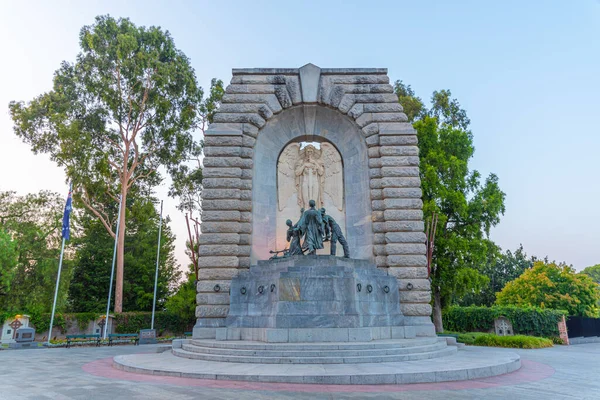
[112, 272]
[62, 250]
[65, 235]
[157, 259]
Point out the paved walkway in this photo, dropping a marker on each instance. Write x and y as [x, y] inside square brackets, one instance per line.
[562, 372]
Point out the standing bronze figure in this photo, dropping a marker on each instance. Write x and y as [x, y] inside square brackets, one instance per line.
[293, 237]
[332, 227]
[311, 224]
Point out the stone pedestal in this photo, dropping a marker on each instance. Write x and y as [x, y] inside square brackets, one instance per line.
[24, 339]
[147, 336]
[316, 299]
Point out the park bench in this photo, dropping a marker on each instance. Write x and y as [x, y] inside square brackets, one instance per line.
[454, 335]
[117, 337]
[82, 338]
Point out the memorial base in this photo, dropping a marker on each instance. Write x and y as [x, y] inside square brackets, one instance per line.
[312, 335]
[25, 345]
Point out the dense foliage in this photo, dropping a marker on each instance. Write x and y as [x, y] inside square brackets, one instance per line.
[128, 322]
[183, 302]
[500, 269]
[466, 206]
[30, 237]
[593, 272]
[164, 322]
[527, 320]
[8, 261]
[93, 261]
[548, 285]
[62, 321]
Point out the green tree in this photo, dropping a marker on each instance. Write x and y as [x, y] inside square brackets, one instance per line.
[8, 261]
[33, 222]
[500, 269]
[92, 264]
[93, 261]
[413, 106]
[183, 302]
[548, 285]
[467, 208]
[593, 272]
[124, 108]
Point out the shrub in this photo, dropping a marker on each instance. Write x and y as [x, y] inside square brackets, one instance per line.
[469, 337]
[526, 320]
[41, 322]
[128, 322]
[517, 341]
[4, 315]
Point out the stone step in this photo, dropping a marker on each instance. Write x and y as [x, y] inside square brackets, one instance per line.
[471, 363]
[314, 353]
[316, 360]
[376, 344]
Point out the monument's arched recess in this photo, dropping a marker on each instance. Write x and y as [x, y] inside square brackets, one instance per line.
[357, 111]
[347, 137]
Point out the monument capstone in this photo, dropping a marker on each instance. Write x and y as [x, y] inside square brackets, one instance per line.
[284, 136]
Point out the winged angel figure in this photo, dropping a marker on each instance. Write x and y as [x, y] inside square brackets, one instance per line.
[311, 173]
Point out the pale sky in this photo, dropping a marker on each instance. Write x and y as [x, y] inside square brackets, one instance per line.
[528, 74]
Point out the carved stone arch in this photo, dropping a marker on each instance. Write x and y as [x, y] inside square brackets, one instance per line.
[357, 97]
[329, 126]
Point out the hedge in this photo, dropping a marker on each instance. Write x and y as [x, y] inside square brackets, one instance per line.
[164, 321]
[515, 342]
[492, 340]
[126, 322]
[530, 321]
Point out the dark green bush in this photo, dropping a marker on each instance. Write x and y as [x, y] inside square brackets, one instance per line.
[527, 321]
[4, 315]
[164, 321]
[41, 322]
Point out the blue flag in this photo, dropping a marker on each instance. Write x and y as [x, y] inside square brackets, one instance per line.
[68, 207]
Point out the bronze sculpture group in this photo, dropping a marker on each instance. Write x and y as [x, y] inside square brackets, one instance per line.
[316, 227]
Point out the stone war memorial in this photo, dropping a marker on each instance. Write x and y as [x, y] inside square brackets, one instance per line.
[312, 251]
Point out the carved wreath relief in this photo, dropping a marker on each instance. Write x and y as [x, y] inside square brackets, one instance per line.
[310, 173]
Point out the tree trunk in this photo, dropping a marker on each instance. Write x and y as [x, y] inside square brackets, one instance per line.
[437, 310]
[121, 251]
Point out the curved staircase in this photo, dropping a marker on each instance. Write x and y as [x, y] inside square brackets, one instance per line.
[315, 353]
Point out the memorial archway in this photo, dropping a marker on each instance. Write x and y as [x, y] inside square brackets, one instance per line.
[328, 126]
[356, 110]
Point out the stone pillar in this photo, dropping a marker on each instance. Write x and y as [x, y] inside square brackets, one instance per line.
[404, 237]
[221, 226]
